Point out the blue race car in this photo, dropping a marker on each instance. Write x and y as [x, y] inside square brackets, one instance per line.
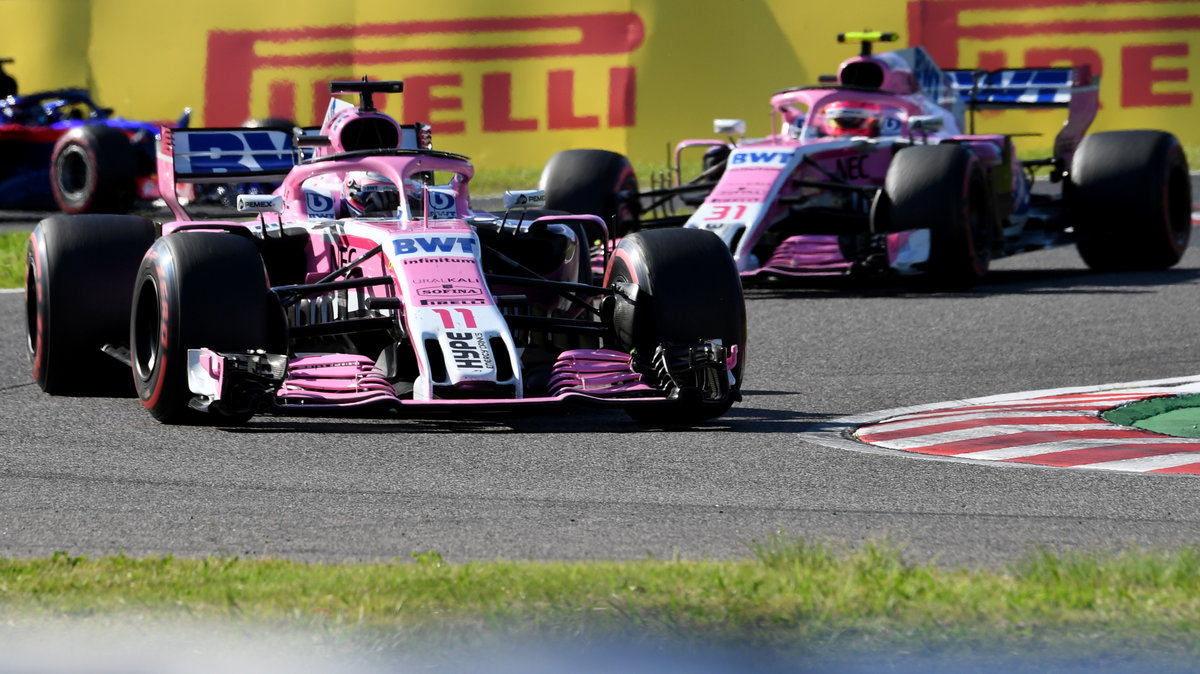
[59, 149]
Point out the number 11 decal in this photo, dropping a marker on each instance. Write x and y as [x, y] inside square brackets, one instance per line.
[448, 318]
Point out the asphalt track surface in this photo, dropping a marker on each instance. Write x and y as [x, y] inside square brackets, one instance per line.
[99, 475]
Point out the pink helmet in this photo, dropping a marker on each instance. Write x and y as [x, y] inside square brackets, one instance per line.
[848, 118]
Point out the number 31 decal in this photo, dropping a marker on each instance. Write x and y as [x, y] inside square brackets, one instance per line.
[724, 212]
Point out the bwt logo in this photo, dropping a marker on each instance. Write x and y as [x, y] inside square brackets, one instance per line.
[750, 158]
[1146, 41]
[433, 244]
[437, 98]
[441, 201]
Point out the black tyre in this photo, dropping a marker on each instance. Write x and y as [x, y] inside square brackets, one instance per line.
[93, 169]
[593, 182]
[1130, 200]
[688, 289]
[79, 274]
[194, 290]
[943, 187]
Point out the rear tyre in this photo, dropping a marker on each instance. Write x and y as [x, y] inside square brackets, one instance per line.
[1129, 196]
[79, 274]
[593, 182]
[943, 188]
[194, 290]
[93, 169]
[687, 290]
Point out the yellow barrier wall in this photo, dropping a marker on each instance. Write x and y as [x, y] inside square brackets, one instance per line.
[510, 83]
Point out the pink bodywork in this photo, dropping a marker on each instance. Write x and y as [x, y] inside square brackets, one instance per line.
[764, 177]
[342, 380]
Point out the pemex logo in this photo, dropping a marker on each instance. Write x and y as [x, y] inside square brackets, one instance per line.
[490, 74]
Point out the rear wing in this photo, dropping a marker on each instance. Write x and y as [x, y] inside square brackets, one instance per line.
[1075, 89]
[1021, 87]
[221, 155]
[226, 155]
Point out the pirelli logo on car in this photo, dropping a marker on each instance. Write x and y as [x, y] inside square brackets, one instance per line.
[463, 75]
[1147, 51]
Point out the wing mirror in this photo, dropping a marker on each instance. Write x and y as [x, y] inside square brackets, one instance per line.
[524, 199]
[925, 123]
[259, 203]
[729, 127]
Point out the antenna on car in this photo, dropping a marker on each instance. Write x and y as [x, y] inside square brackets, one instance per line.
[365, 88]
[8, 84]
[867, 38]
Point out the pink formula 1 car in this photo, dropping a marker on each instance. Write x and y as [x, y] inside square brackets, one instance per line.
[879, 170]
[366, 284]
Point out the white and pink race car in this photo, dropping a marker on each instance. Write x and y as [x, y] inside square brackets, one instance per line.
[879, 170]
[366, 284]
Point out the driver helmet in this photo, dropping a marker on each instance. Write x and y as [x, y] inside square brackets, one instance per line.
[848, 118]
[368, 193]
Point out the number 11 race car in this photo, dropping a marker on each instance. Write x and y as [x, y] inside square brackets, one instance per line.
[366, 284]
[879, 170]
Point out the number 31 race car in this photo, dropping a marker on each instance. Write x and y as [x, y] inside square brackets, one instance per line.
[879, 170]
[366, 284]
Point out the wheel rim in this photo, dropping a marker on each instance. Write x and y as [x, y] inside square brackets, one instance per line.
[72, 171]
[147, 335]
[1179, 214]
[31, 310]
[977, 230]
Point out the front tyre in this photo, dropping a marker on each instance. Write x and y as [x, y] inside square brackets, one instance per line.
[943, 188]
[79, 274]
[193, 290]
[679, 288]
[1130, 201]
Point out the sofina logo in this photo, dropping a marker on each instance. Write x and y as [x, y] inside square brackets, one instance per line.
[444, 96]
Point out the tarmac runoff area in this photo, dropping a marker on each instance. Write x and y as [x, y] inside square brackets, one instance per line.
[1145, 427]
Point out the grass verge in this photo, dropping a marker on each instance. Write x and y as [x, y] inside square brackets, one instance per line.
[12, 259]
[794, 599]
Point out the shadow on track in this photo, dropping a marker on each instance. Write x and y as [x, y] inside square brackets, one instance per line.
[741, 419]
[997, 283]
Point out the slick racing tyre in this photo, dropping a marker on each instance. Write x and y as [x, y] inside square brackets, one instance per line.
[93, 169]
[943, 188]
[79, 273]
[679, 286]
[1129, 196]
[194, 289]
[593, 182]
